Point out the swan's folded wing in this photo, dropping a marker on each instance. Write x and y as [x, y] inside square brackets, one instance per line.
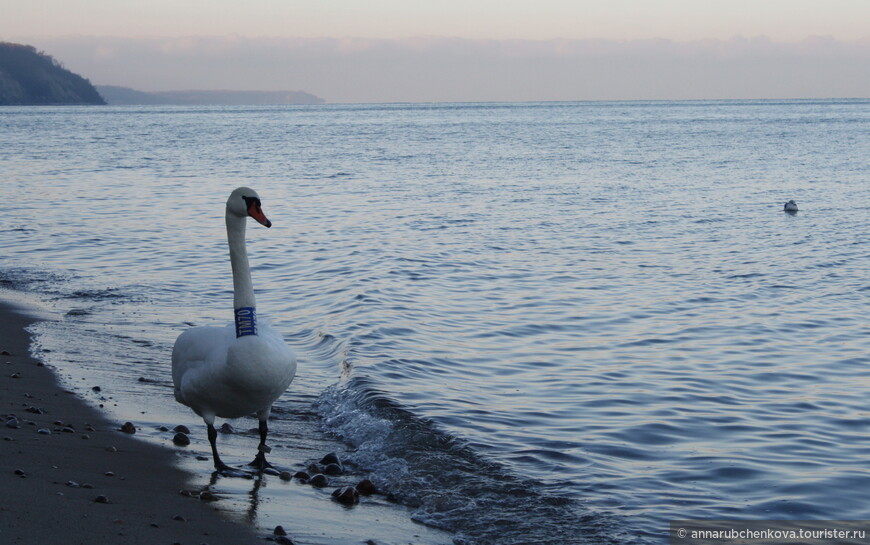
[196, 350]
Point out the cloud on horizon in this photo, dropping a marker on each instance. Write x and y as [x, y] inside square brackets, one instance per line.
[434, 69]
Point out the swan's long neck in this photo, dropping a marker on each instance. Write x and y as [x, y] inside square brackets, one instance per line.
[244, 303]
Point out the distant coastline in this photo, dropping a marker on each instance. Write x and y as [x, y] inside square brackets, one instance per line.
[31, 77]
[116, 95]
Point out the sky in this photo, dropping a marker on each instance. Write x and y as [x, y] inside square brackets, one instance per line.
[458, 50]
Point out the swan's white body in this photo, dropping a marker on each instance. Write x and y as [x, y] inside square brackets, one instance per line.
[234, 371]
[790, 206]
[217, 374]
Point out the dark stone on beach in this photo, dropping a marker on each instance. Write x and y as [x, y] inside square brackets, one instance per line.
[279, 531]
[332, 469]
[109, 474]
[87, 485]
[346, 496]
[5, 353]
[313, 469]
[97, 389]
[43, 431]
[319, 480]
[162, 428]
[301, 475]
[181, 439]
[207, 496]
[13, 423]
[285, 476]
[101, 499]
[366, 487]
[128, 427]
[35, 410]
[181, 428]
[68, 429]
[58, 422]
[226, 428]
[331, 458]
[15, 375]
[73, 484]
[111, 449]
[179, 518]
[20, 473]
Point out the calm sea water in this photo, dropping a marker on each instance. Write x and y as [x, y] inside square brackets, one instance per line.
[533, 323]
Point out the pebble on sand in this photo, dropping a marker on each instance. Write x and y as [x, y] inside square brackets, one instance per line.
[181, 428]
[280, 531]
[181, 439]
[332, 469]
[207, 496]
[319, 480]
[346, 496]
[101, 499]
[128, 427]
[366, 487]
[331, 458]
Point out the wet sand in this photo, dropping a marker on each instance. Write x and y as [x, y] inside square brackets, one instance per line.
[69, 475]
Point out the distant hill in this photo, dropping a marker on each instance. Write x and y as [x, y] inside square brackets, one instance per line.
[30, 77]
[125, 96]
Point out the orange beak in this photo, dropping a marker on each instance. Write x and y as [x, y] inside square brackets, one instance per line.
[256, 212]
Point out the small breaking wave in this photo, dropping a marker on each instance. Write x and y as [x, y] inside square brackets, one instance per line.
[449, 485]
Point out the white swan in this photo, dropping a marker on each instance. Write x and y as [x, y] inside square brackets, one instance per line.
[790, 206]
[234, 371]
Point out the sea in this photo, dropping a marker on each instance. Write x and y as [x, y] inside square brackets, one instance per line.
[529, 323]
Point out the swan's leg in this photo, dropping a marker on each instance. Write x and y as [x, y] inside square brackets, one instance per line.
[212, 438]
[219, 465]
[260, 460]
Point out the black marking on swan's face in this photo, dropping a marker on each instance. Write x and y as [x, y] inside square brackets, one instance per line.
[253, 206]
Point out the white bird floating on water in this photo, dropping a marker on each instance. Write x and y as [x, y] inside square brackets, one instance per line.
[790, 206]
[232, 372]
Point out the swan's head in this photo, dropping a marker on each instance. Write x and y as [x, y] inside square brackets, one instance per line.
[244, 202]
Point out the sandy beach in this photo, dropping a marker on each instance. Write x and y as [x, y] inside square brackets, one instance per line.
[69, 475]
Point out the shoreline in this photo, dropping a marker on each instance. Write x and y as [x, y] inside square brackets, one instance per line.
[63, 453]
[52, 481]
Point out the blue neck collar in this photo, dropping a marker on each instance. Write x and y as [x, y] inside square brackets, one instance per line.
[246, 321]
